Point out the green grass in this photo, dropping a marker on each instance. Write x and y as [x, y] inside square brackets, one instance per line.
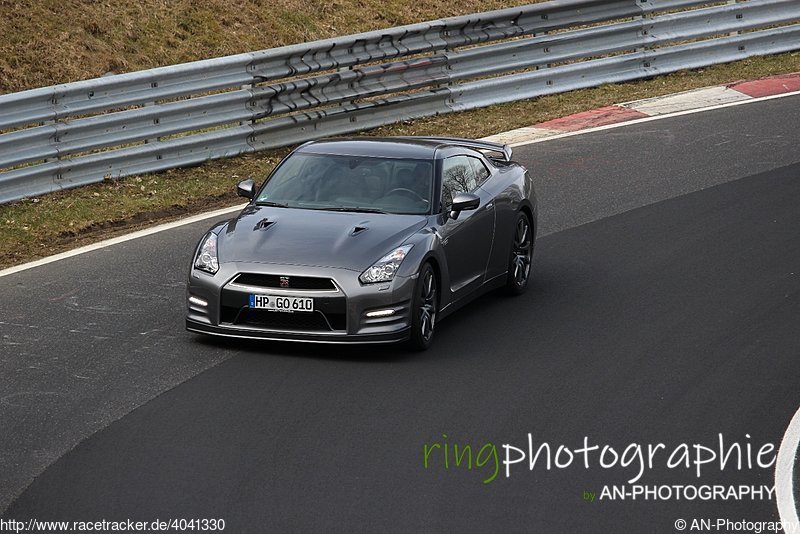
[46, 42]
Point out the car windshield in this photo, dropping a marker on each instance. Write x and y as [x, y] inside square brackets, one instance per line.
[350, 183]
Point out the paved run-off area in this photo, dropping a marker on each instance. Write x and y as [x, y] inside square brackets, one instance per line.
[663, 310]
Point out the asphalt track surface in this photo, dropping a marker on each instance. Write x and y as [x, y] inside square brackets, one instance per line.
[664, 309]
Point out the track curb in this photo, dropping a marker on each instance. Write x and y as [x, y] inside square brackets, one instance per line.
[695, 99]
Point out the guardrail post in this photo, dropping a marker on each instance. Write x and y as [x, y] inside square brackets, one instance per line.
[47, 123]
[247, 87]
[153, 85]
[644, 32]
[738, 16]
[346, 69]
[155, 121]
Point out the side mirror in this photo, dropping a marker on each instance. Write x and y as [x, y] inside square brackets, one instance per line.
[463, 202]
[246, 188]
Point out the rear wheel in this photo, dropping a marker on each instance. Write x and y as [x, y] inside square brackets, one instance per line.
[519, 263]
[424, 308]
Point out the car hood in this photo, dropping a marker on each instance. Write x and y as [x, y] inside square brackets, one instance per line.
[313, 237]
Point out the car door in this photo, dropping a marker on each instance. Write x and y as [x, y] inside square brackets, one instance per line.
[505, 215]
[468, 239]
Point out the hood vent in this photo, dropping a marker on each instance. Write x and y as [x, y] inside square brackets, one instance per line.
[263, 224]
[358, 229]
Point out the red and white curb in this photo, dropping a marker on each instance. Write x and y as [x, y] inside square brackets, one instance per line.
[697, 99]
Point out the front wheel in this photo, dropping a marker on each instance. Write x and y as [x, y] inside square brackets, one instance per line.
[424, 308]
[519, 263]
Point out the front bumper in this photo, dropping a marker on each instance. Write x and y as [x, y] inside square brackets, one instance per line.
[307, 337]
[340, 307]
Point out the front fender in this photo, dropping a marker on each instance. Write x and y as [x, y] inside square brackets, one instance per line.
[428, 247]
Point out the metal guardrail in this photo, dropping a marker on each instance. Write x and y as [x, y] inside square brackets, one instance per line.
[84, 132]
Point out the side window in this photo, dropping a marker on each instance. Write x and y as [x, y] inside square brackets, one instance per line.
[481, 172]
[457, 177]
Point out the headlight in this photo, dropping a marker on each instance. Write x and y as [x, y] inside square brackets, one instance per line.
[207, 259]
[385, 268]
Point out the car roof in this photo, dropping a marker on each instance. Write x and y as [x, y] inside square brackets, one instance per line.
[386, 147]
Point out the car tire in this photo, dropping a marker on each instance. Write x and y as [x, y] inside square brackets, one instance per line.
[424, 308]
[520, 261]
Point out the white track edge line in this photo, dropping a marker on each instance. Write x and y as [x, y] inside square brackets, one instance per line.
[784, 479]
[202, 216]
[120, 239]
[652, 118]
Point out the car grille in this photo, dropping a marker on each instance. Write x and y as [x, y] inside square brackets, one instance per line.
[329, 315]
[301, 322]
[273, 281]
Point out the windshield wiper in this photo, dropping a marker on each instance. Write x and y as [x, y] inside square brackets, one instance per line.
[271, 204]
[354, 209]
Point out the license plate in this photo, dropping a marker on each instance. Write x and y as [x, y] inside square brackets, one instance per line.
[282, 304]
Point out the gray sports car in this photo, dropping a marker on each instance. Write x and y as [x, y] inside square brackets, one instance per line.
[366, 240]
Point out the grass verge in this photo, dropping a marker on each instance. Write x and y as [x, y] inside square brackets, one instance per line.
[50, 224]
[46, 42]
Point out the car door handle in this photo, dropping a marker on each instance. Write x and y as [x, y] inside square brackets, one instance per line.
[490, 205]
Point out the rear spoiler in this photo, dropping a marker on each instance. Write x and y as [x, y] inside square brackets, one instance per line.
[505, 150]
